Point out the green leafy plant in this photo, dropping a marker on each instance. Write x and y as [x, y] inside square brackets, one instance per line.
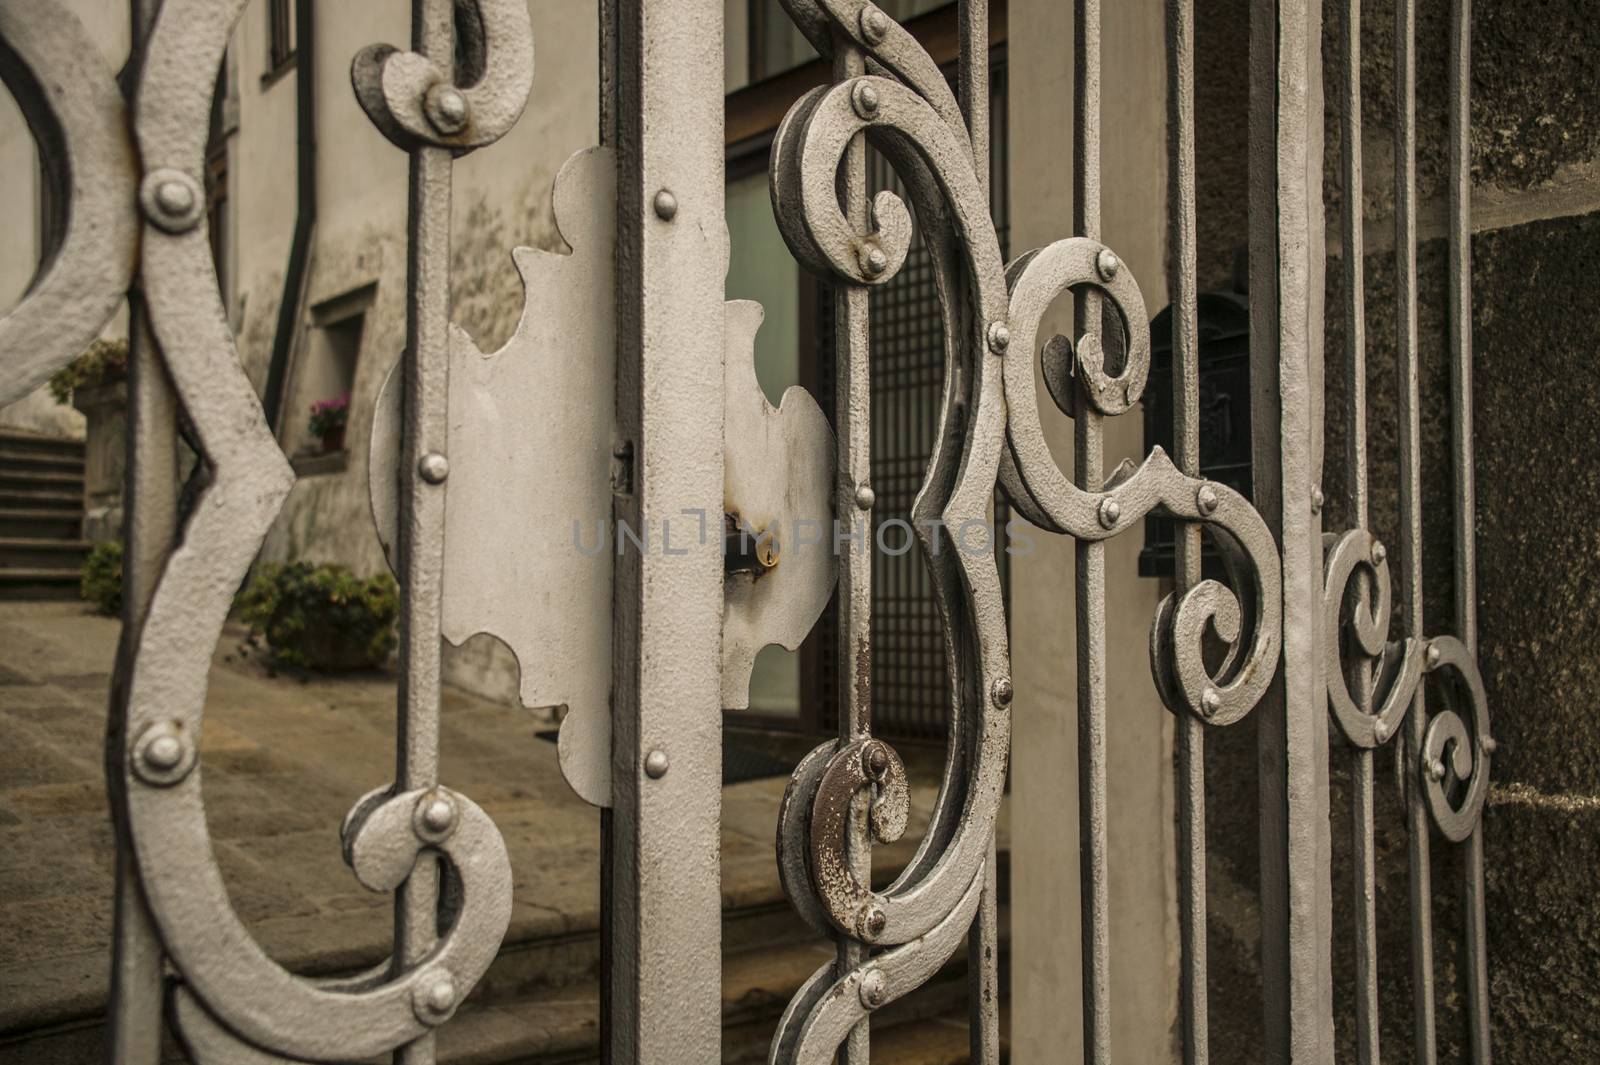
[322, 617]
[102, 362]
[101, 583]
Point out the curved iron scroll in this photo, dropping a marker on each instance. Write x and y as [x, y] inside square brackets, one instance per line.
[989, 434]
[1452, 766]
[233, 1002]
[76, 114]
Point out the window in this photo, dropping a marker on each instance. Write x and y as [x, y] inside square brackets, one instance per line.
[776, 45]
[281, 35]
[313, 429]
[760, 268]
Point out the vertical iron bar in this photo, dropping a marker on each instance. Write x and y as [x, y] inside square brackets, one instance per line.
[1286, 276]
[606, 119]
[853, 406]
[426, 399]
[1364, 846]
[983, 944]
[1411, 514]
[151, 479]
[1466, 569]
[1186, 446]
[666, 740]
[1089, 469]
[152, 518]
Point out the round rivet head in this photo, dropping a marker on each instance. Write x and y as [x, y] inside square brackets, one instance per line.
[1316, 500]
[446, 108]
[1380, 731]
[864, 97]
[433, 467]
[434, 999]
[1001, 692]
[865, 496]
[171, 200]
[666, 205]
[1379, 553]
[163, 754]
[999, 338]
[1107, 263]
[874, 23]
[1110, 513]
[174, 197]
[871, 922]
[877, 261]
[1436, 770]
[436, 814]
[1433, 655]
[1489, 745]
[1205, 499]
[655, 764]
[1211, 700]
[876, 761]
[874, 988]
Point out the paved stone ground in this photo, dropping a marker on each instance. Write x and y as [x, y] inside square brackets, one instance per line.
[284, 759]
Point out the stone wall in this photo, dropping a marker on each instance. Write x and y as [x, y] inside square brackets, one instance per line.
[1536, 248]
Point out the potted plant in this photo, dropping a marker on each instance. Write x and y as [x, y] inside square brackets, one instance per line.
[328, 419]
[103, 362]
[96, 384]
[322, 617]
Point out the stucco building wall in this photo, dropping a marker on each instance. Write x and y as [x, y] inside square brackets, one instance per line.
[1046, 981]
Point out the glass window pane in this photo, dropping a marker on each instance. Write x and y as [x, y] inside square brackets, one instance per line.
[779, 46]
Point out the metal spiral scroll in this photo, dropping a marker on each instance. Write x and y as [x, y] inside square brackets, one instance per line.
[905, 108]
[234, 1003]
[1246, 616]
[1453, 762]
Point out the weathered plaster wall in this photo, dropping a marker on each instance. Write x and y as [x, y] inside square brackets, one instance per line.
[1536, 199]
[1046, 979]
[501, 200]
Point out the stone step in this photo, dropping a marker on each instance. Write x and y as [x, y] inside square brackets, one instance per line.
[49, 481]
[562, 1025]
[40, 497]
[41, 462]
[924, 1039]
[63, 523]
[39, 583]
[761, 918]
[34, 553]
[16, 442]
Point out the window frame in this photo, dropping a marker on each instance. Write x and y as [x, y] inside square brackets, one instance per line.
[283, 39]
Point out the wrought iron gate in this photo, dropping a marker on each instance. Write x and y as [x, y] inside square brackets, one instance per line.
[669, 423]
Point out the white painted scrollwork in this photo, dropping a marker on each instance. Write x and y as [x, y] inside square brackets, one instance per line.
[76, 113]
[232, 1002]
